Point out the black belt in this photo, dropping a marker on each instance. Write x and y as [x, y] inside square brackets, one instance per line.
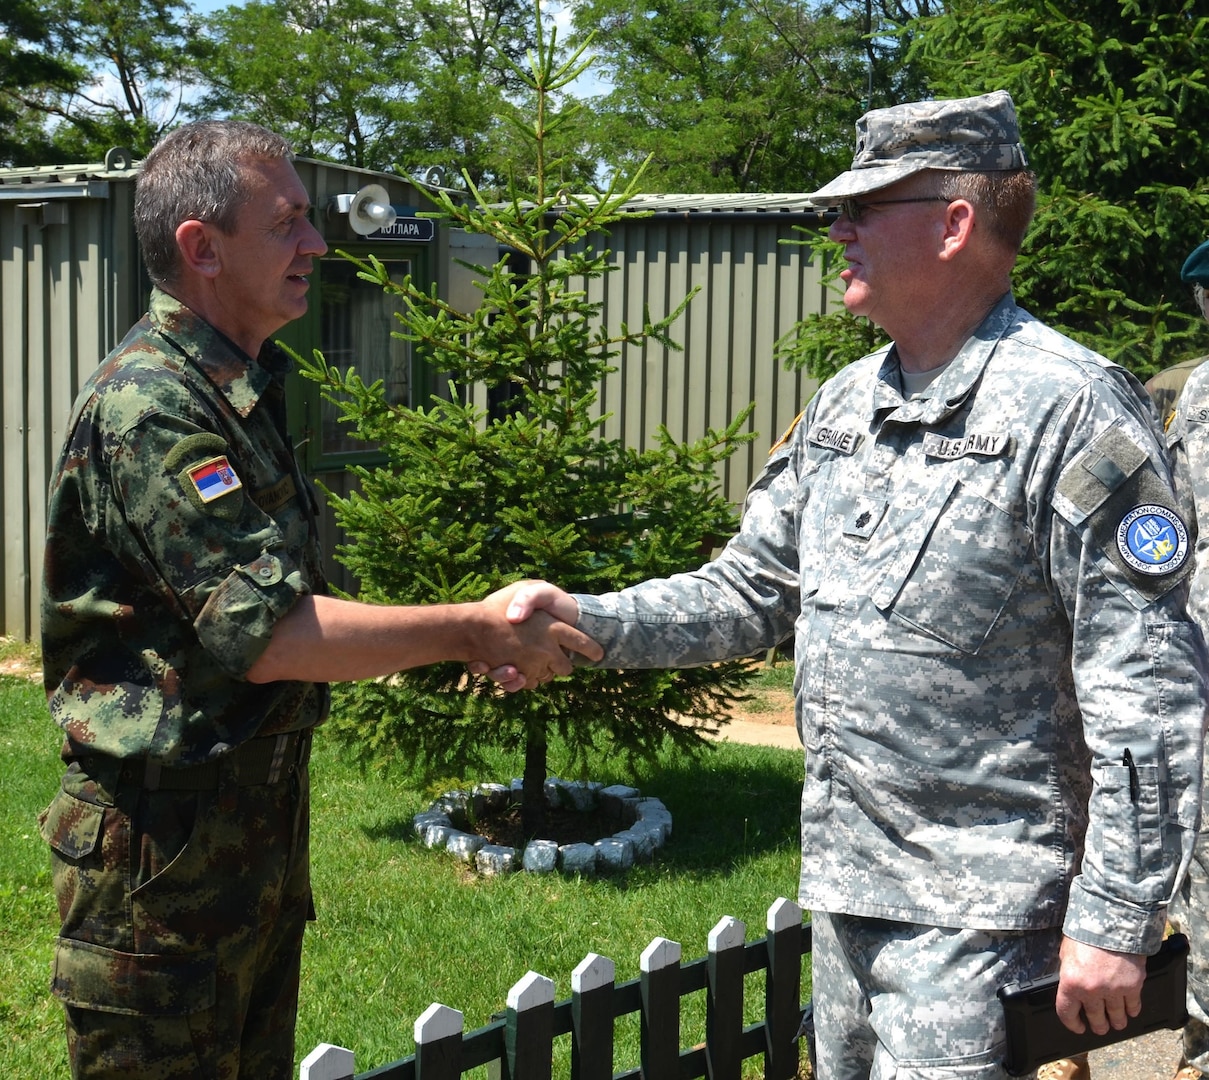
[265, 760]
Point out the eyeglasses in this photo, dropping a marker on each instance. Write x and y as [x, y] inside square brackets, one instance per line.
[854, 210]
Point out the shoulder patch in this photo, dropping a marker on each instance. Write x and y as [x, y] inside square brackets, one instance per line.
[1153, 540]
[214, 478]
[1109, 462]
[1126, 508]
[788, 434]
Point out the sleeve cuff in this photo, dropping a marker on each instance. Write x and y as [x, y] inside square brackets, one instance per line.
[237, 621]
[1107, 924]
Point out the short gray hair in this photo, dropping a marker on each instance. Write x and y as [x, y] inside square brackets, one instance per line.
[1006, 200]
[196, 171]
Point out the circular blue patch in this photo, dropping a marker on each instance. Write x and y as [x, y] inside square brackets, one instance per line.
[1153, 540]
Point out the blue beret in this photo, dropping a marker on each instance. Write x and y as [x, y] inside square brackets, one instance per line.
[1196, 266]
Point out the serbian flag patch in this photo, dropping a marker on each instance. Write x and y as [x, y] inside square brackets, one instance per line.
[214, 478]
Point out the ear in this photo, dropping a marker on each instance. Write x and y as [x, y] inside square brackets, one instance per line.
[199, 254]
[958, 228]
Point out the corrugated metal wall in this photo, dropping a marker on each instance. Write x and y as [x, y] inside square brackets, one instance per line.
[68, 284]
[753, 290]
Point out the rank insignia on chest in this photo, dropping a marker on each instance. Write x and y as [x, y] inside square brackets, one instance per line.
[214, 478]
[1153, 540]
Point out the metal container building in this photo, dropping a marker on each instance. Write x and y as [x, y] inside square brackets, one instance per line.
[71, 284]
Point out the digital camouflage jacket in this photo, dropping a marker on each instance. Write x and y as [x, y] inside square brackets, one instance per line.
[179, 529]
[998, 689]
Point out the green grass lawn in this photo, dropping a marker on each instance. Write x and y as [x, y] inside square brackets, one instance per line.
[400, 927]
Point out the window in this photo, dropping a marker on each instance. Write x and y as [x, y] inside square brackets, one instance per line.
[357, 322]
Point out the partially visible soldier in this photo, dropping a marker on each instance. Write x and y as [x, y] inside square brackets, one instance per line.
[188, 639]
[973, 538]
[1164, 388]
[1188, 443]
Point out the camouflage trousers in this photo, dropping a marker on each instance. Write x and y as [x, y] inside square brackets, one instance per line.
[899, 1001]
[1190, 915]
[182, 921]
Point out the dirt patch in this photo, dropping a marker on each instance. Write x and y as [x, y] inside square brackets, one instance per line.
[776, 709]
[563, 826]
[18, 660]
[768, 705]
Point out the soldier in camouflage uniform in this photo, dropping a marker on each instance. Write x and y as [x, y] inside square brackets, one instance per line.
[187, 639]
[972, 536]
[1188, 443]
[1165, 387]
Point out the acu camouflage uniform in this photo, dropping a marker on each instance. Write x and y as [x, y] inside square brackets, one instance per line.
[1165, 387]
[1188, 442]
[998, 690]
[179, 531]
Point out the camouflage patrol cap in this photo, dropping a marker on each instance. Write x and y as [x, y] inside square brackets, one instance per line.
[975, 134]
[1196, 267]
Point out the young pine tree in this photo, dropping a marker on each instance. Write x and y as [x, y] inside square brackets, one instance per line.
[468, 501]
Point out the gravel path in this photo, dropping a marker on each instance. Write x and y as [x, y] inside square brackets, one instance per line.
[1149, 1057]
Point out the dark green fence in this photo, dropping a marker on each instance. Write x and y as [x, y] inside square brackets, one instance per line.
[519, 1044]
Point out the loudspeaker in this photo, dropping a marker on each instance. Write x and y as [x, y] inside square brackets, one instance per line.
[371, 210]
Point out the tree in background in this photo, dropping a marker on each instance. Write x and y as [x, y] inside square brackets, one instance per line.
[741, 95]
[321, 73]
[82, 76]
[27, 70]
[468, 501]
[723, 96]
[1111, 98]
[468, 96]
[407, 87]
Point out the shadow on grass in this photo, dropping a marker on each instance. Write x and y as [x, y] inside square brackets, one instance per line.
[729, 803]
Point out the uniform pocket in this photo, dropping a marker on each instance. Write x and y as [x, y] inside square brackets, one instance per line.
[93, 977]
[1127, 832]
[962, 574]
[71, 826]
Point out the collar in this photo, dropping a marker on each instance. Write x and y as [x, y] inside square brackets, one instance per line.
[949, 391]
[240, 379]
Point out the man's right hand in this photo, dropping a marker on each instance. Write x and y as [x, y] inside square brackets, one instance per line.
[531, 596]
[523, 601]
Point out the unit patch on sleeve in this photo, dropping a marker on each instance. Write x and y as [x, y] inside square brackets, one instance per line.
[1153, 540]
[1113, 491]
[214, 478]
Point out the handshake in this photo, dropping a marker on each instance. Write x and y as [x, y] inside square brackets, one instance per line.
[530, 636]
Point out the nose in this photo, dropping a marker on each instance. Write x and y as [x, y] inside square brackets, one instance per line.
[311, 241]
[841, 229]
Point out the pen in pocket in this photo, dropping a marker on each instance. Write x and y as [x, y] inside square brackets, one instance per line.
[1127, 761]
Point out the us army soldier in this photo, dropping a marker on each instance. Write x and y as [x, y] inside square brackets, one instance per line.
[1188, 443]
[972, 537]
